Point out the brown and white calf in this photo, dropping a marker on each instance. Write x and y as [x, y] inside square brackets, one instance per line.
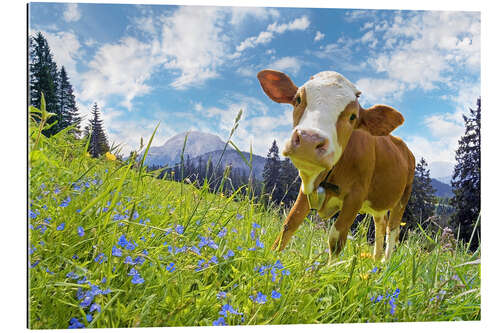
[346, 158]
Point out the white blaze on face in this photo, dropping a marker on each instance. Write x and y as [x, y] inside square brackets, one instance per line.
[328, 94]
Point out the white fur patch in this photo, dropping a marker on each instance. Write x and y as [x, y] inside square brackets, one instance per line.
[328, 94]
[333, 235]
[391, 242]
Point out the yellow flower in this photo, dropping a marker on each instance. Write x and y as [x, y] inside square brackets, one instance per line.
[365, 255]
[110, 157]
[402, 224]
[363, 276]
[87, 154]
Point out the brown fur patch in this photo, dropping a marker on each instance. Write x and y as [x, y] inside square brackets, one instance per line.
[380, 119]
[277, 85]
[298, 109]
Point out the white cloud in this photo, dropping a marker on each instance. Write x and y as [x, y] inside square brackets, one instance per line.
[319, 36]
[239, 14]
[122, 68]
[72, 13]
[379, 91]
[193, 43]
[422, 49]
[291, 64]
[301, 23]
[266, 36]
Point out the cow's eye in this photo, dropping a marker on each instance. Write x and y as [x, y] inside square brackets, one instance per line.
[297, 100]
[353, 116]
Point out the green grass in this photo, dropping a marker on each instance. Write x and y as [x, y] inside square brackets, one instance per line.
[433, 285]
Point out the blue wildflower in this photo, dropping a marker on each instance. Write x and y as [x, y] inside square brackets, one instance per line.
[32, 249]
[115, 251]
[171, 267]
[139, 260]
[179, 229]
[221, 294]
[239, 216]
[72, 275]
[57, 191]
[135, 215]
[100, 258]
[180, 249]
[275, 294]
[375, 269]
[195, 249]
[252, 234]
[228, 254]
[88, 317]
[222, 232]
[201, 265]
[128, 260]
[74, 323]
[33, 265]
[82, 280]
[255, 225]
[60, 227]
[122, 241]
[95, 307]
[87, 299]
[137, 279]
[33, 214]
[131, 245]
[259, 244]
[220, 322]
[81, 232]
[260, 298]
[227, 308]
[214, 260]
[65, 202]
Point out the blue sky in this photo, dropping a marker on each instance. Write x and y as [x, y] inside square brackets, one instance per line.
[194, 68]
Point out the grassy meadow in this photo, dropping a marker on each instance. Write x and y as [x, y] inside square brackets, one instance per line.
[110, 245]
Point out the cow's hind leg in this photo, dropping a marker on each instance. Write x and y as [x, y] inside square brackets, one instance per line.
[395, 221]
[380, 228]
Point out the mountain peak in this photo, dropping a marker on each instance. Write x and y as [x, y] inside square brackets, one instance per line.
[198, 143]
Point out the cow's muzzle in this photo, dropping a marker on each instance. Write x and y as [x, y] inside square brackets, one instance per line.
[310, 147]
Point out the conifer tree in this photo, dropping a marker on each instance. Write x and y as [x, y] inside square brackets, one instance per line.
[421, 204]
[289, 181]
[271, 173]
[466, 182]
[67, 103]
[43, 77]
[98, 141]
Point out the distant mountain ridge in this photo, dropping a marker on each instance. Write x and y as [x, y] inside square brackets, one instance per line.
[442, 189]
[233, 158]
[198, 143]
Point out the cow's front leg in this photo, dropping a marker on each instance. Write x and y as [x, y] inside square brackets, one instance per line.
[380, 227]
[292, 222]
[339, 230]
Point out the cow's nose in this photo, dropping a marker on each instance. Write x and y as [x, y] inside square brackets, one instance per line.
[309, 142]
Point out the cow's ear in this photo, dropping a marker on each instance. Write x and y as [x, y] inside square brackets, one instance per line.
[277, 85]
[379, 119]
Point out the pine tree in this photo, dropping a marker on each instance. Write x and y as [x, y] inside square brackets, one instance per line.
[98, 141]
[67, 103]
[43, 77]
[466, 182]
[290, 182]
[421, 204]
[271, 173]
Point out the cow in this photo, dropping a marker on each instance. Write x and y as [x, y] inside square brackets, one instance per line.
[346, 158]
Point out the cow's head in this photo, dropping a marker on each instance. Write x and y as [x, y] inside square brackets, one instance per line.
[326, 111]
